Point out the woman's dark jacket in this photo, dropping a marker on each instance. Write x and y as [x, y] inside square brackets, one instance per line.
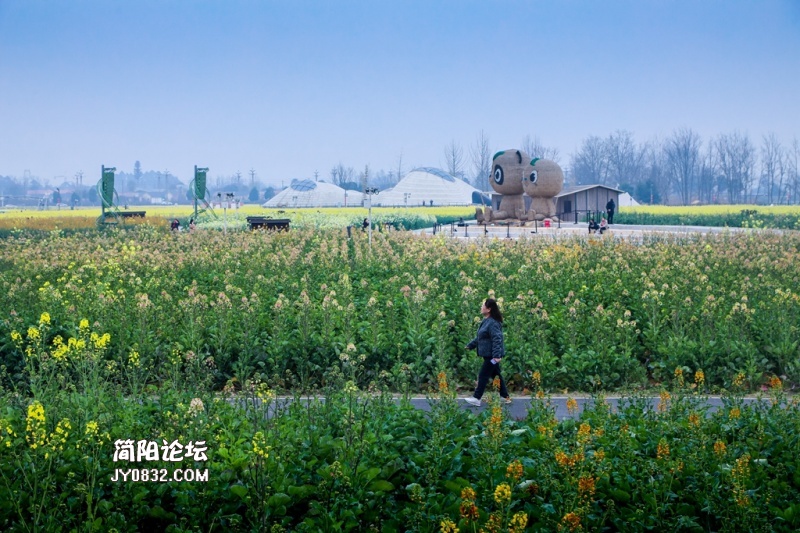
[489, 339]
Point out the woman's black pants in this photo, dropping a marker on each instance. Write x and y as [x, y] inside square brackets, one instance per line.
[487, 373]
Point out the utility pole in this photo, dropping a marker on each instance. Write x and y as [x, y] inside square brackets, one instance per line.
[369, 191]
[252, 177]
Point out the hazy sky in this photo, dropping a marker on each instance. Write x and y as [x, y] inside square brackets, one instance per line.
[289, 87]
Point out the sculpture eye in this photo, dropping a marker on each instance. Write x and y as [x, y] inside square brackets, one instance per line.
[534, 176]
[497, 175]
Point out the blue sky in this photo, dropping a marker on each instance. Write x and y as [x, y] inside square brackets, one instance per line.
[292, 87]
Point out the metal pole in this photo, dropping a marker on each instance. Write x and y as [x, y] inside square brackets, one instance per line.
[369, 217]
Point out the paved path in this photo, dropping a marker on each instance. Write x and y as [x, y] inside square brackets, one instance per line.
[518, 409]
[473, 231]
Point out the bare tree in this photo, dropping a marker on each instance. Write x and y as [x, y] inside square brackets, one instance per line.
[535, 148]
[736, 156]
[454, 159]
[589, 164]
[707, 176]
[773, 168]
[682, 153]
[364, 178]
[481, 161]
[340, 175]
[652, 183]
[624, 159]
[792, 159]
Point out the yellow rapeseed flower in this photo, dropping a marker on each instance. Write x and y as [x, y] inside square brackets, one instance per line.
[260, 447]
[586, 486]
[662, 450]
[468, 493]
[699, 378]
[572, 406]
[502, 494]
[572, 521]
[448, 526]
[514, 470]
[518, 522]
[84, 325]
[133, 359]
[33, 333]
[44, 319]
[16, 337]
[735, 413]
[720, 448]
[34, 426]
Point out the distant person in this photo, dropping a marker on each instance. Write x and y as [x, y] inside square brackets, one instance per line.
[192, 225]
[593, 226]
[603, 225]
[365, 224]
[176, 225]
[610, 206]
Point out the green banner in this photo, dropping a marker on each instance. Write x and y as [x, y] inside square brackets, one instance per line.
[107, 187]
[200, 183]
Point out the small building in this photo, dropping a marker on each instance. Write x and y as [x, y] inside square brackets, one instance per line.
[575, 203]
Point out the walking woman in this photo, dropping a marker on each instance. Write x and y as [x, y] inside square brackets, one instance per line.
[489, 342]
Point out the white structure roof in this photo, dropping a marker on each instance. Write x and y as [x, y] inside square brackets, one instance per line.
[310, 193]
[626, 200]
[424, 184]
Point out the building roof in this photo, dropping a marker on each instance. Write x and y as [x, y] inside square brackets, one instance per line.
[424, 184]
[580, 188]
[310, 193]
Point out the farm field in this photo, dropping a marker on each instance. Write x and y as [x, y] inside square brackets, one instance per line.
[739, 216]
[111, 339]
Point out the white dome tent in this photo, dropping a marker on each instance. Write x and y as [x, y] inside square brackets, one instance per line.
[425, 184]
[310, 193]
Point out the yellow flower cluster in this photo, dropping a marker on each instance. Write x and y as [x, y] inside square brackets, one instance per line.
[134, 359]
[34, 426]
[44, 319]
[739, 380]
[663, 405]
[662, 450]
[495, 423]
[699, 378]
[443, 387]
[775, 383]
[514, 470]
[6, 432]
[33, 333]
[735, 413]
[502, 494]
[100, 342]
[679, 376]
[568, 461]
[58, 438]
[720, 448]
[586, 486]
[518, 523]
[264, 393]
[536, 379]
[572, 406]
[584, 433]
[448, 526]
[260, 447]
[571, 521]
[694, 420]
[84, 326]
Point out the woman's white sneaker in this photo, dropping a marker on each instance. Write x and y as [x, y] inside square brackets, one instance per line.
[473, 401]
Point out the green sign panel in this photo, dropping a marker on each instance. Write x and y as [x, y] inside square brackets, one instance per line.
[107, 186]
[200, 182]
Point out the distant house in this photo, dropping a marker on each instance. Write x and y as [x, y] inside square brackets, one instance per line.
[574, 203]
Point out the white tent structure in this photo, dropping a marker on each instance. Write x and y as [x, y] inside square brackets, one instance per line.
[310, 193]
[425, 184]
[626, 200]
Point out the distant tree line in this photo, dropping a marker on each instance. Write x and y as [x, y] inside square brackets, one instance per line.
[683, 169]
[680, 169]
